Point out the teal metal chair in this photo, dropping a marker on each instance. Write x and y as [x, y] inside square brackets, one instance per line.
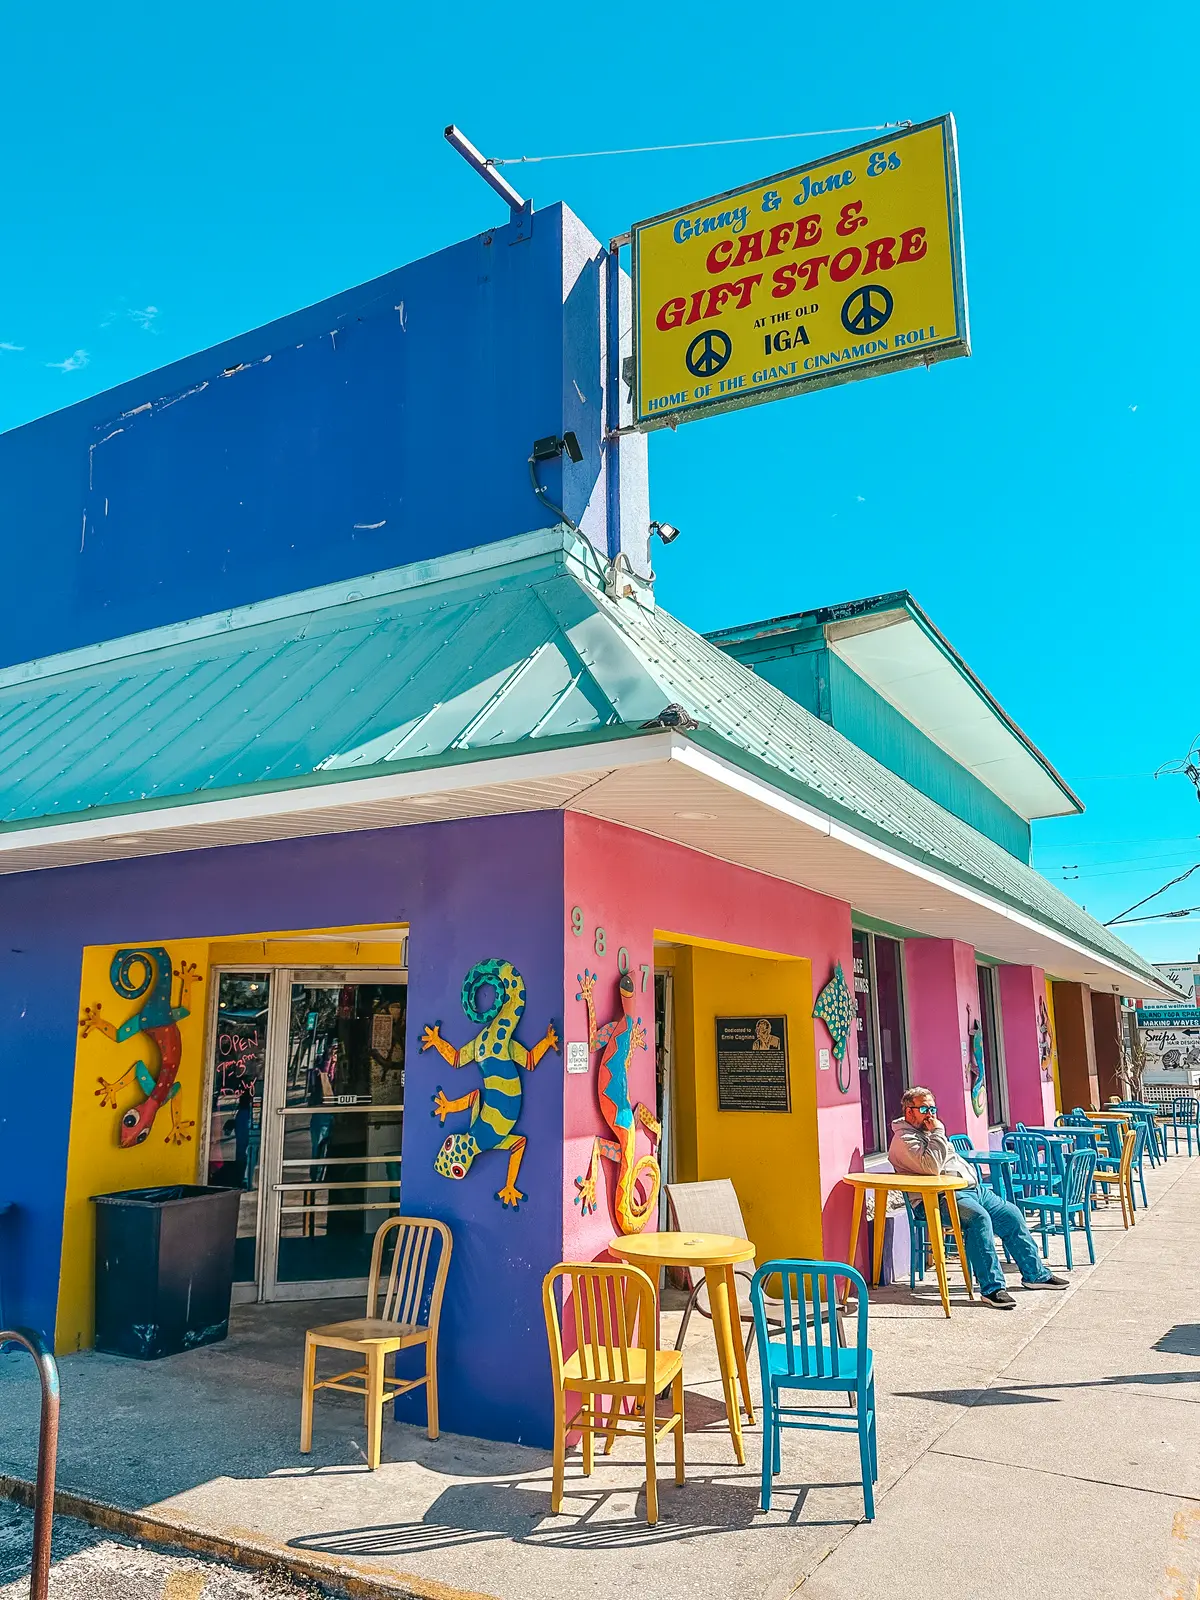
[1035, 1170]
[1185, 1119]
[1108, 1162]
[994, 1168]
[1037, 1173]
[1141, 1114]
[918, 1244]
[962, 1143]
[1146, 1114]
[1108, 1152]
[1144, 1138]
[1076, 1117]
[1075, 1200]
[808, 1357]
[1084, 1133]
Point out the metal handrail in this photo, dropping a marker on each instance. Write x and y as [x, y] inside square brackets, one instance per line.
[43, 1494]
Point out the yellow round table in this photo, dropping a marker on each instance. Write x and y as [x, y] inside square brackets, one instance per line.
[926, 1188]
[716, 1255]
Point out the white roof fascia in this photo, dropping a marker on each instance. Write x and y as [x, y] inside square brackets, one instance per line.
[898, 658]
[299, 809]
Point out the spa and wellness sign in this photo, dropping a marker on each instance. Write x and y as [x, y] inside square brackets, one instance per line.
[821, 275]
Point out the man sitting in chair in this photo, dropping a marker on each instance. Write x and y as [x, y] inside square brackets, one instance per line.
[920, 1146]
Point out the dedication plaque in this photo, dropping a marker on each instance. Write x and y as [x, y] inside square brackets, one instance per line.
[752, 1064]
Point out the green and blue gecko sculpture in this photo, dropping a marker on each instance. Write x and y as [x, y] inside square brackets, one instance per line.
[498, 1054]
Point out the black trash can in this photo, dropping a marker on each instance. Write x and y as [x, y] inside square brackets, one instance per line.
[164, 1268]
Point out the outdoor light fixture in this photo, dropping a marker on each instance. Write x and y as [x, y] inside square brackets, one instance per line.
[551, 447]
[666, 531]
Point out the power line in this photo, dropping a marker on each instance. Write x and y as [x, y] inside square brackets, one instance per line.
[1161, 916]
[699, 144]
[1121, 915]
[1103, 844]
[1187, 766]
[1118, 869]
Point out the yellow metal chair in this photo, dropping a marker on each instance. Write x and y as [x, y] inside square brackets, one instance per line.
[616, 1328]
[1123, 1177]
[395, 1308]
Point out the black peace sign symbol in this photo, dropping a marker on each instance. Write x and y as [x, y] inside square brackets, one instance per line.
[867, 309]
[708, 353]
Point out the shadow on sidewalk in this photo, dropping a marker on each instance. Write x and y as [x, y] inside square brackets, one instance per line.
[469, 1514]
[1031, 1394]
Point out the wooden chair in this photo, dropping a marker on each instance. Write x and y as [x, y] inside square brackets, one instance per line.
[616, 1356]
[407, 1315]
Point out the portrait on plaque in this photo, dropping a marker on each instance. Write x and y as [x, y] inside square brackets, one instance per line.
[752, 1064]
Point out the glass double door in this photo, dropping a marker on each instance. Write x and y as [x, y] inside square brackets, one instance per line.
[306, 1118]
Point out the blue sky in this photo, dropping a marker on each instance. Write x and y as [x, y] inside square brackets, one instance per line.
[178, 175]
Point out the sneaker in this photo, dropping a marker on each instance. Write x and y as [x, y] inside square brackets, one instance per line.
[1002, 1300]
[1052, 1282]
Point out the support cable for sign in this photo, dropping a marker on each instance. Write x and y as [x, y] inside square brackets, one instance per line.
[698, 144]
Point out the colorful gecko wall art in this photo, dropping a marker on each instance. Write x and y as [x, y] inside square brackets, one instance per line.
[976, 1074]
[620, 1038]
[136, 973]
[498, 1054]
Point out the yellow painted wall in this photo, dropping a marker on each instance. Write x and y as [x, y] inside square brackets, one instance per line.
[771, 1156]
[96, 1163]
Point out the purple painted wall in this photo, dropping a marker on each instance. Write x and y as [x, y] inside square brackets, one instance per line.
[470, 889]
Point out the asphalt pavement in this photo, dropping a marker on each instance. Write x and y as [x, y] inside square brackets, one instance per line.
[91, 1565]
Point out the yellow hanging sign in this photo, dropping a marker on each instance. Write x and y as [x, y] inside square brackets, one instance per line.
[830, 272]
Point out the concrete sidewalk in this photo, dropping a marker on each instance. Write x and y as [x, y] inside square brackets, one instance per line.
[1054, 1449]
[90, 1565]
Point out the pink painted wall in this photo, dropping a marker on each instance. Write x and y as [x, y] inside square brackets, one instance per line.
[630, 884]
[941, 985]
[1030, 1097]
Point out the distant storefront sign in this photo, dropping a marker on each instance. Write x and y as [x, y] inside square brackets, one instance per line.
[1170, 1049]
[1162, 1016]
[823, 274]
[1182, 975]
[752, 1064]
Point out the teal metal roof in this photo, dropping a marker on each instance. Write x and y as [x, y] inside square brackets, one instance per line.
[496, 652]
[923, 680]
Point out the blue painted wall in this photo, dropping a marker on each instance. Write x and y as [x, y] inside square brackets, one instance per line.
[485, 887]
[388, 424]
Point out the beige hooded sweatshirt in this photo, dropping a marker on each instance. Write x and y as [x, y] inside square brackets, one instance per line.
[929, 1154]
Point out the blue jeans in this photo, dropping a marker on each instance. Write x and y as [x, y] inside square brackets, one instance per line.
[983, 1215]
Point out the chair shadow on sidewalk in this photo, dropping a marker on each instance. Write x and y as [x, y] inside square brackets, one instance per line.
[1033, 1394]
[614, 1518]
